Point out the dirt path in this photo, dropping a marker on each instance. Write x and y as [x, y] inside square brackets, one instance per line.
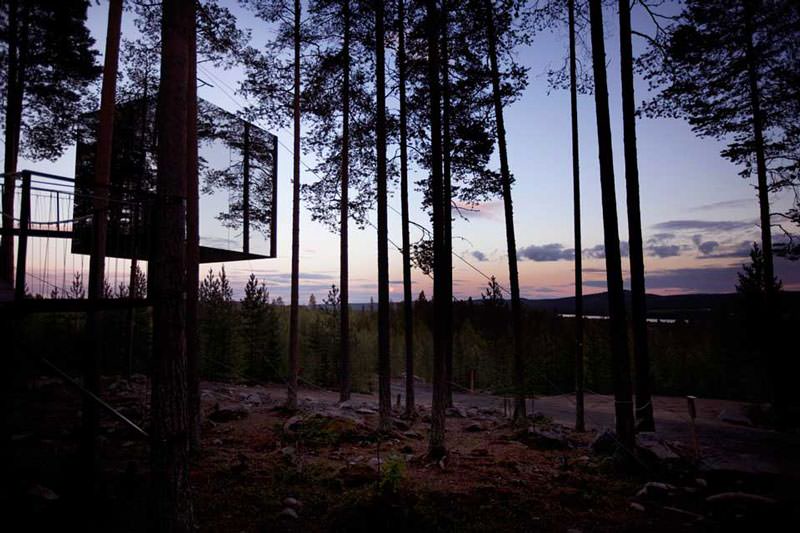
[723, 445]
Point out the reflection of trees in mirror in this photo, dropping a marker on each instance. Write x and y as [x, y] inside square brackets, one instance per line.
[247, 176]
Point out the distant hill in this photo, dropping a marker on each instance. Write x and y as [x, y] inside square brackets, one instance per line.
[673, 306]
[677, 306]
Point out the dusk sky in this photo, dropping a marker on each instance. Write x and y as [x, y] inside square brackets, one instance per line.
[699, 216]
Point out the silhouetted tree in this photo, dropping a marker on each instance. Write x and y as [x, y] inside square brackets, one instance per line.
[384, 341]
[259, 328]
[408, 316]
[641, 356]
[616, 296]
[730, 68]
[170, 493]
[338, 92]
[270, 79]
[49, 62]
[436, 445]
[576, 206]
[498, 20]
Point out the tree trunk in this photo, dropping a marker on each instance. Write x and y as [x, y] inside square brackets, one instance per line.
[776, 369]
[14, 93]
[384, 356]
[580, 424]
[513, 273]
[97, 259]
[344, 267]
[447, 266]
[294, 312]
[408, 309]
[192, 247]
[761, 165]
[616, 297]
[436, 446]
[641, 357]
[170, 494]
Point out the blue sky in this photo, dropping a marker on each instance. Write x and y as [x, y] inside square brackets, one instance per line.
[698, 215]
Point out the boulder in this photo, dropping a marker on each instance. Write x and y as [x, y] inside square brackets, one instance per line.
[656, 490]
[605, 443]
[652, 448]
[541, 438]
[292, 503]
[732, 417]
[288, 514]
[42, 493]
[456, 412]
[223, 415]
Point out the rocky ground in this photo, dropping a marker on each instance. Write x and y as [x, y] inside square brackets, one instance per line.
[325, 468]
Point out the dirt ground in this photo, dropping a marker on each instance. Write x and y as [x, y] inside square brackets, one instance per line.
[324, 468]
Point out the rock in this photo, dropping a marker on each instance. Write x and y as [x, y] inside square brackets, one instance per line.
[739, 419]
[366, 411]
[120, 385]
[347, 404]
[656, 489]
[653, 448]
[455, 412]
[605, 443]
[292, 503]
[220, 416]
[293, 424]
[637, 507]
[475, 428]
[700, 482]
[217, 442]
[251, 398]
[42, 493]
[740, 498]
[288, 514]
[375, 463]
[288, 451]
[412, 435]
[544, 439]
[401, 425]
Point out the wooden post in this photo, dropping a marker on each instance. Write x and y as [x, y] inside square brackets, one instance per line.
[692, 416]
[24, 226]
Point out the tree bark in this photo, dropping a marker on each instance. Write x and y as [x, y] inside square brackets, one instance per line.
[447, 266]
[408, 309]
[384, 355]
[580, 424]
[294, 311]
[344, 267]
[770, 348]
[170, 494]
[616, 297]
[193, 246]
[513, 273]
[14, 93]
[641, 356]
[761, 164]
[97, 259]
[436, 446]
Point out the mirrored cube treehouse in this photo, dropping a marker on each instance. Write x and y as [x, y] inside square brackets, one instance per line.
[237, 184]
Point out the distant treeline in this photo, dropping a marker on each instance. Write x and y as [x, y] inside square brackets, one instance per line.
[713, 356]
